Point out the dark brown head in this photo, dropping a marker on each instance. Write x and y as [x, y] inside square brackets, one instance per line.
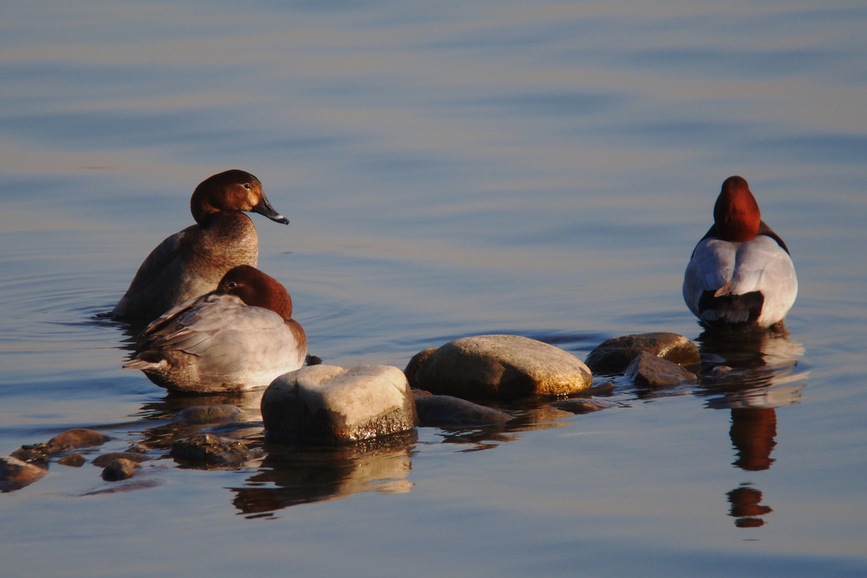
[230, 191]
[736, 213]
[257, 289]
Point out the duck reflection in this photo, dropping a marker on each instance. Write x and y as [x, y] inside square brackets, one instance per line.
[750, 374]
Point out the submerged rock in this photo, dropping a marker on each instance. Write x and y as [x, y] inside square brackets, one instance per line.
[450, 411]
[78, 438]
[16, 474]
[207, 449]
[614, 355]
[39, 454]
[582, 406]
[202, 414]
[648, 370]
[119, 469]
[337, 404]
[105, 459]
[500, 366]
[75, 460]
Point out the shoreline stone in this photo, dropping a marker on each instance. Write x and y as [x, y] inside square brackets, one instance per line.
[499, 366]
[614, 355]
[648, 370]
[16, 474]
[450, 411]
[343, 405]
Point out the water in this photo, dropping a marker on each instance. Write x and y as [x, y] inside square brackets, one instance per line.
[449, 168]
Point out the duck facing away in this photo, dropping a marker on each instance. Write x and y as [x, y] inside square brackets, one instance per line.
[192, 262]
[237, 337]
[740, 273]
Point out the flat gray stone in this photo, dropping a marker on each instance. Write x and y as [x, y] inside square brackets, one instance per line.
[648, 370]
[339, 404]
[501, 366]
[614, 355]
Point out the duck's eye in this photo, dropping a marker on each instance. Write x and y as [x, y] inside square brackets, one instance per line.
[247, 186]
[231, 284]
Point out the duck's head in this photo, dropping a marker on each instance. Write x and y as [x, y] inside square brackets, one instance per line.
[257, 289]
[736, 213]
[232, 190]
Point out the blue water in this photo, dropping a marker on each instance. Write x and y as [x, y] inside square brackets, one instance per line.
[449, 169]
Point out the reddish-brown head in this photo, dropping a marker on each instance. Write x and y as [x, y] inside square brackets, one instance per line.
[736, 212]
[230, 191]
[257, 289]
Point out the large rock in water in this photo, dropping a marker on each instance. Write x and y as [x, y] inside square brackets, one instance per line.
[500, 366]
[614, 355]
[337, 404]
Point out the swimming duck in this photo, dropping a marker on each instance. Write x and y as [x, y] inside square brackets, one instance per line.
[237, 337]
[191, 262]
[740, 273]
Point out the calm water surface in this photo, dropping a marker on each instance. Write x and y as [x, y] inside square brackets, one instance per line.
[449, 168]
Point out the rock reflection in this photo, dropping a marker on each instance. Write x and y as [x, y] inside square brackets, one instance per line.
[751, 375]
[304, 473]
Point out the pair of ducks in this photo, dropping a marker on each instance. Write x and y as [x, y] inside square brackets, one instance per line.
[223, 325]
[217, 324]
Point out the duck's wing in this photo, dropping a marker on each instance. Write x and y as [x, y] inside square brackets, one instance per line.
[157, 283]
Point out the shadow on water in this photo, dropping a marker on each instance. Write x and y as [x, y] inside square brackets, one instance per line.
[751, 375]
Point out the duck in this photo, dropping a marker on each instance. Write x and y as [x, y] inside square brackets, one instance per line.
[740, 273]
[191, 262]
[238, 337]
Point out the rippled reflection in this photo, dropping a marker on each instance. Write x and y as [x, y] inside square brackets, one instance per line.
[751, 374]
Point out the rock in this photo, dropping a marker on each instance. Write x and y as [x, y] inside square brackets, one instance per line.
[648, 370]
[119, 469]
[337, 404]
[501, 366]
[202, 414]
[77, 438]
[414, 363]
[207, 449]
[73, 460]
[105, 459]
[15, 474]
[39, 454]
[582, 406]
[614, 355]
[450, 411]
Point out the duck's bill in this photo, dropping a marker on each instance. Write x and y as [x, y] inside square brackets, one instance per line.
[264, 208]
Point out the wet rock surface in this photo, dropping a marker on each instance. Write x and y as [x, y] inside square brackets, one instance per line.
[450, 411]
[40, 454]
[614, 355]
[499, 366]
[105, 459]
[119, 469]
[337, 404]
[16, 474]
[648, 370]
[209, 450]
[582, 406]
[204, 414]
